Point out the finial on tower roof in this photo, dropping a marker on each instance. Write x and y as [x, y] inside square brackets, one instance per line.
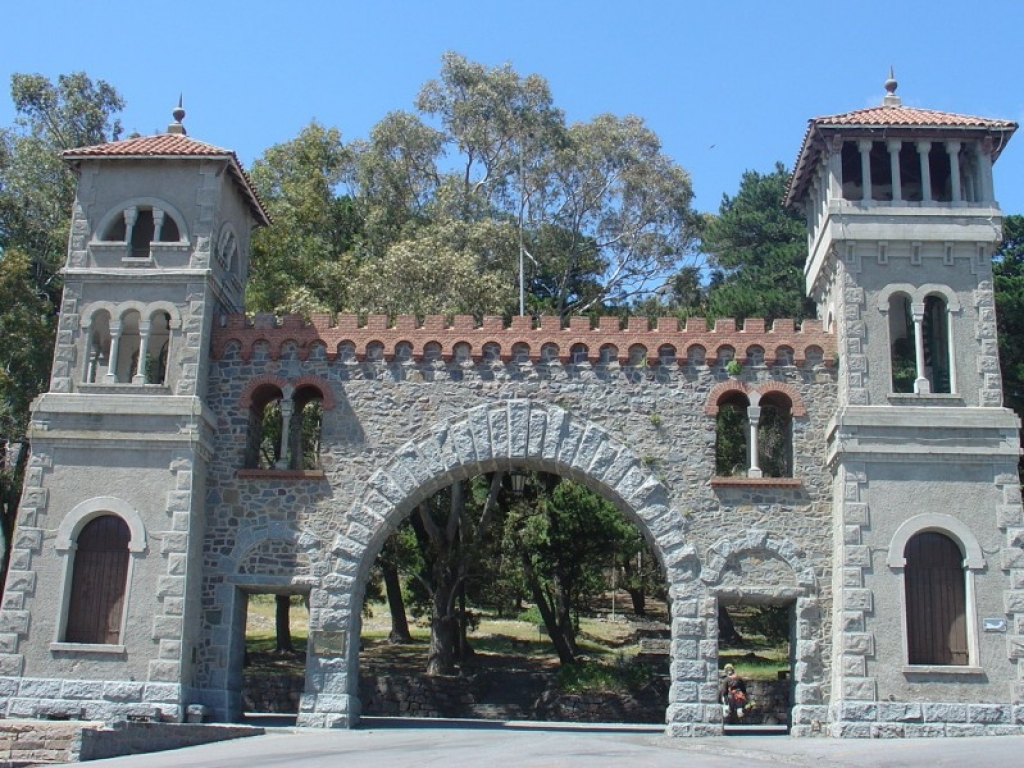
[179, 115]
[891, 99]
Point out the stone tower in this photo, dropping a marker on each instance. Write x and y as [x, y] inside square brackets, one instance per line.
[102, 600]
[903, 222]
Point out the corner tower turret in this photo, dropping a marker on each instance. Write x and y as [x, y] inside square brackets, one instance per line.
[102, 600]
[903, 222]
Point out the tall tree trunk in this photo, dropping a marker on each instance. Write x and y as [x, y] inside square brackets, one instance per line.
[637, 594]
[399, 622]
[564, 649]
[726, 629]
[282, 623]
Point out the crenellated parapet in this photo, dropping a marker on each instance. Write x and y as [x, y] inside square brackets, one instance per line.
[638, 341]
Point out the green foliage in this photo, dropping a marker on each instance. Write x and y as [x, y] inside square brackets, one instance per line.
[731, 440]
[302, 261]
[774, 450]
[757, 248]
[733, 368]
[770, 621]
[598, 677]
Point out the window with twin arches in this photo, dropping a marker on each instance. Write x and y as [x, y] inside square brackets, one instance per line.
[285, 423]
[920, 339]
[753, 439]
[140, 225]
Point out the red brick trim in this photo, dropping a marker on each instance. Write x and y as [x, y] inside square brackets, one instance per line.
[323, 387]
[245, 401]
[280, 474]
[719, 391]
[797, 407]
[332, 331]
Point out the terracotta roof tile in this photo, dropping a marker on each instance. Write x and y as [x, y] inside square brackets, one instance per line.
[171, 146]
[161, 145]
[877, 117]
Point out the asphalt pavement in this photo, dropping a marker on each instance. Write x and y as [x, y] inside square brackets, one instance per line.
[412, 744]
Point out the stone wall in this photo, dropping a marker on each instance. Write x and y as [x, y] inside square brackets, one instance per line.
[32, 742]
[272, 693]
[399, 426]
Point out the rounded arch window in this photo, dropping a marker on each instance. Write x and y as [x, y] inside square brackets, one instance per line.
[141, 225]
[608, 354]
[99, 582]
[347, 351]
[731, 455]
[521, 352]
[667, 354]
[696, 355]
[264, 445]
[579, 354]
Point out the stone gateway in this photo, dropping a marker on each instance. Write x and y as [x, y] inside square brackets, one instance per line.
[893, 530]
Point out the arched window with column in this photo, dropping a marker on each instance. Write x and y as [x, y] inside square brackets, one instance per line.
[920, 337]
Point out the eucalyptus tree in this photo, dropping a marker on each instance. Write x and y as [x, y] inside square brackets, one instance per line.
[302, 261]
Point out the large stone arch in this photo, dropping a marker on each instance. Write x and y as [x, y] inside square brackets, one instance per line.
[506, 435]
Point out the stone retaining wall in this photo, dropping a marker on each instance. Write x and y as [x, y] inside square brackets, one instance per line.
[272, 693]
[33, 742]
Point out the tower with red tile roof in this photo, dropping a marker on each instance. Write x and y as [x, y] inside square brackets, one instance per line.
[903, 222]
[120, 442]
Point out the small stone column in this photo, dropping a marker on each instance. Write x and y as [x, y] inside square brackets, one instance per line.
[283, 461]
[983, 156]
[158, 223]
[894, 146]
[921, 384]
[115, 342]
[140, 370]
[953, 150]
[864, 145]
[130, 216]
[753, 418]
[923, 148]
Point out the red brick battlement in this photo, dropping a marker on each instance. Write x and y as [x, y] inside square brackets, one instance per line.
[524, 339]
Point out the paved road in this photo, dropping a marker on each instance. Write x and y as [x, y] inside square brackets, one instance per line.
[415, 745]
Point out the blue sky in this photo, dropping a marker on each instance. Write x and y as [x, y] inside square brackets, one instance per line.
[728, 85]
